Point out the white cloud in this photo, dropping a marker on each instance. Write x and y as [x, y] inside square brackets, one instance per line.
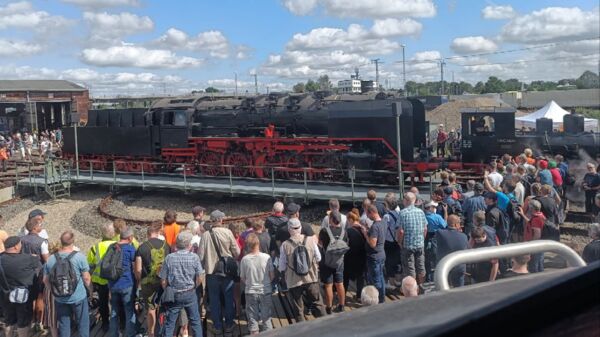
[109, 28]
[395, 27]
[365, 8]
[97, 4]
[300, 7]
[473, 44]
[18, 48]
[213, 42]
[136, 56]
[498, 12]
[229, 84]
[552, 24]
[21, 15]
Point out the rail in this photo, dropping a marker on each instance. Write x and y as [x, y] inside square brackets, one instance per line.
[452, 260]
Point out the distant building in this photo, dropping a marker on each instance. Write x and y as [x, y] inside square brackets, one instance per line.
[349, 86]
[40, 104]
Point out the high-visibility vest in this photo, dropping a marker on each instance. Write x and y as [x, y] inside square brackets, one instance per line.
[94, 259]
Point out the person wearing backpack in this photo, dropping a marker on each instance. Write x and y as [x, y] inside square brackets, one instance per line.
[148, 263]
[299, 259]
[333, 240]
[391, 246]
[121, 284]
[496, 218]
[17, 271]
[100, 284]
[218, 251]
[67, 273]
[533, 231]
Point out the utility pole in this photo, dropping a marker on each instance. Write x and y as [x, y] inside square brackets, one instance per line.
[255, 83]
[377, 61]
[404, 71]
[453, 84]
[236, 93]
[442, 64]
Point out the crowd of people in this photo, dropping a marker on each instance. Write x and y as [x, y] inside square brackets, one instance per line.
[181, 273]
[21, 145]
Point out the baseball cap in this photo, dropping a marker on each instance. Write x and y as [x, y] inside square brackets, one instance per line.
[11, 241]
[292, 208]
[36, 212]
[216, 215]
[490, 195]
[543, 164]
[431, 204]
[294, 223]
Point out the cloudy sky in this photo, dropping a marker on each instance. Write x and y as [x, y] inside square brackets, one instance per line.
[144, 47]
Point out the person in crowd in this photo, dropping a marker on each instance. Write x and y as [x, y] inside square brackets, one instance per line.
[419, 202]
[17, 270]
[122, 289]
[100, 285]
[36, 215]
[198, 214]
[332, 277]
[472, 205]
[171, 229]
[557, 179]
[196, 229]
[276, 220]
[369, 296]
[449, 240]
[334, 205]
[591, 252]
[591, 186]
[148, 261]
[301, 287]
[533, 231]
[219, 241]
[391, 246]
[519, 191]
[182, 273]
[293, 212]
[410, 287]
[452, 182]
[495, 218]
[248, 224]
[49, 318]
[263, 237]
[256, 272]
[549, 203]
[28, 142]
[529, 156]
[35, 245]
[486, 270]
[364, 217]
[435, 222]
[470, 190]
[355, 258]
[452, 205]
[74, 307]
[120, 225]
[544, 176]
[495, 178]
[375, 238]
[372, 196]
[411, 235]
[444, 177]
[518, 266]
[237, 229]
[479, 221]
[442, 137]
[597, 202]
[3, 156]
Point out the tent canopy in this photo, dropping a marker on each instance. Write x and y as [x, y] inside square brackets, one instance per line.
[554, 112]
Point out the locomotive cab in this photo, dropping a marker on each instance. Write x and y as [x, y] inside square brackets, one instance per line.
[487, 132]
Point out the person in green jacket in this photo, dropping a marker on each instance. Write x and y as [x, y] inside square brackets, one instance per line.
[94, 259]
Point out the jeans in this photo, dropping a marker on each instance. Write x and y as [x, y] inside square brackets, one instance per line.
[188, 301]
[375, 276]
[122, 300]
[103, 299]
[216, 286]
[536, 264]
[64, 312]
[259, 307]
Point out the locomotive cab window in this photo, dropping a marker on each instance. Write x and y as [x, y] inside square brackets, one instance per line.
[175, 118]
[482, 126]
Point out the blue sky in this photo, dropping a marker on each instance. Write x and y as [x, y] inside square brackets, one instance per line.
[142, 47]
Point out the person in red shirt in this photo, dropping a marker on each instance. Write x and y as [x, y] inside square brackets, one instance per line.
[557, 179]
[533, 231]
[270, 131]
[442, 137]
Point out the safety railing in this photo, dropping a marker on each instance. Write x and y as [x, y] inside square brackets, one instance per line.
[452, 260]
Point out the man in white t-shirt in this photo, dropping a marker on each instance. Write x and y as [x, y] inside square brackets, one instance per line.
[494, 177]
[334, 205]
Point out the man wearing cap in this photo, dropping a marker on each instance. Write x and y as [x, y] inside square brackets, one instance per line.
[218, 285]
[17, 270]
[121, 290]
[301, 287]
[435, 222]
[38, 215]
[494, 217]
[76, 305]
[472, 205]
[293, 212]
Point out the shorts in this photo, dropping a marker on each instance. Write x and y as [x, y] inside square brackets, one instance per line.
[413, 262]
[149, 295]
[392, 258]
[332, 275]
[19, 314]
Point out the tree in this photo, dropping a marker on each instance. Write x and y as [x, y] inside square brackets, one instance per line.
[479, 87]
[311, 86]
[493, 84]
[587, 80]
[211, 90]
[298, 87]
[512, 84]
[324, 83]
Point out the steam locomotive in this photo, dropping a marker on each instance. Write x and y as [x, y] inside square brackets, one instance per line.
[317, 136]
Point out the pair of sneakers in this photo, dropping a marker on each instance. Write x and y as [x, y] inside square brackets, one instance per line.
[336, 309]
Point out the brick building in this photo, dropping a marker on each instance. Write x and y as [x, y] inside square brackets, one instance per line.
[40, 104]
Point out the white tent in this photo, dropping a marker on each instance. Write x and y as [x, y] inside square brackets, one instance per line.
[554, 112]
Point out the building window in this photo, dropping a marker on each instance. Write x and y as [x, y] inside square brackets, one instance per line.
[50, 95]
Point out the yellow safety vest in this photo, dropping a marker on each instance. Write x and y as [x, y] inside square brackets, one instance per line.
[94, 259]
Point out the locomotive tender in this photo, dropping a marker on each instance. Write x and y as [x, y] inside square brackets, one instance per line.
[319, 135]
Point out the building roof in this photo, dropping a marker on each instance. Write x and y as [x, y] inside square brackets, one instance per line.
[39, 85]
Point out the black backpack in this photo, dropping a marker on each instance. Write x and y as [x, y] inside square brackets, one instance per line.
[300, 258]
[63, 279]
[111, 267]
